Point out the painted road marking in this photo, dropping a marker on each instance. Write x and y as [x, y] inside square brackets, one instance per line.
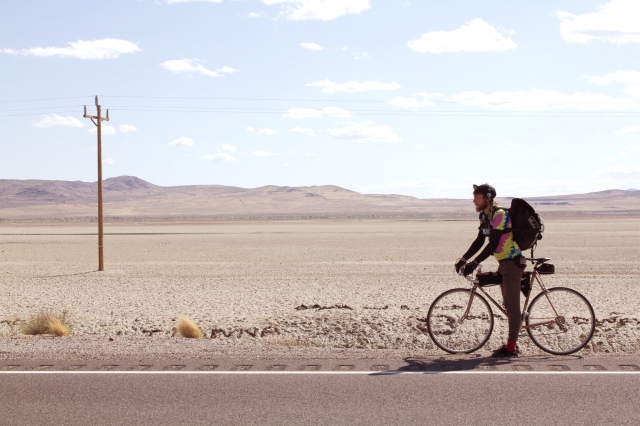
[336, 373]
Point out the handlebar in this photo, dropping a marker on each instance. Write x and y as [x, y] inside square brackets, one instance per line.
[467, 277]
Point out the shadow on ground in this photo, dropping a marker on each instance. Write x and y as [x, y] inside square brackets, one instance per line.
[480, 363]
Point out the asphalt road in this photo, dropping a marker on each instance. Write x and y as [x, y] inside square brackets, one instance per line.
[371, 398]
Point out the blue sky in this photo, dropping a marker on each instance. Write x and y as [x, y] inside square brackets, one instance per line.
[420, 98]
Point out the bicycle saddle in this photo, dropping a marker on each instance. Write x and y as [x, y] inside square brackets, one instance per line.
[540, 259]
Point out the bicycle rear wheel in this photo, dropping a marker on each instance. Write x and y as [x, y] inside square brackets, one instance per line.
[449, 332]
[569, 321]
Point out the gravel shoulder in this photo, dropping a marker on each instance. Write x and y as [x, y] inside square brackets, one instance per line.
[366, 284]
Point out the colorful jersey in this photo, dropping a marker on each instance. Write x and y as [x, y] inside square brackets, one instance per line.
[507, 248]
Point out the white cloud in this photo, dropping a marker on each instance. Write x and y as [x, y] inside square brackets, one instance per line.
[544, 100]
[310, 154]
[285, 164]
[108, 161]
[257, 15]
[228, 147]
[474, 36]
[628, 77]
[267, 131]
[325, 10]
[187, 1]
[58, 120]
[192, 66]
[107, 48]
[631, 130]
[250, 129]
[363, 55]
[182, 141]
[106, 130]
[420, 147]
[617, 22]
[633, 91]
[353, 86]
[317, 113]
[227, 70]
[311, 46]
[218, 157]
[265, 154]
[413, 103]
[128, 128]
[634, 147]
[365, 131]
[305, 131]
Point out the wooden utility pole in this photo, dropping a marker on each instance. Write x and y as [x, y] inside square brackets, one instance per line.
[98, 124]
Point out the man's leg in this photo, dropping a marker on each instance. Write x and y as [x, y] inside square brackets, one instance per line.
[511, 276]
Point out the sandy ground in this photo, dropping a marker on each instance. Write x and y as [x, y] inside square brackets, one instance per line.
[241, 282]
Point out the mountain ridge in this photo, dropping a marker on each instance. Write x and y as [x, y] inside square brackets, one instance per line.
[130, 196]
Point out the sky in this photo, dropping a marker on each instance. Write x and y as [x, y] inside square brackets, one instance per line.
[421, 98]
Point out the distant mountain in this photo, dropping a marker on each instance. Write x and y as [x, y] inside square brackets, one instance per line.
[129, 198]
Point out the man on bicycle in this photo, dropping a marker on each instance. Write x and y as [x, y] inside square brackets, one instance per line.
[495, 224]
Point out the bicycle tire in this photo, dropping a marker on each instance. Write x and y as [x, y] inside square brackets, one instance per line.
[447, 332]
[562, 337]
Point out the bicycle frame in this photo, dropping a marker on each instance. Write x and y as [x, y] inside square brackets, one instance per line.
[475, 285]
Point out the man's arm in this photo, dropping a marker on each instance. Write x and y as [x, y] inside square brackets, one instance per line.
[494, 240]
[475, 246]
[498, 226]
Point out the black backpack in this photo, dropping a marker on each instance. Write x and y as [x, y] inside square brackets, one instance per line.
[526, 224]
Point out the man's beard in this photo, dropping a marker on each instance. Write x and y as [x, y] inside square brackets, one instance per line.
[482, 207]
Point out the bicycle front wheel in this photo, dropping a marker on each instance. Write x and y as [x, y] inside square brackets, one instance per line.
[561, 321]
[453, 334]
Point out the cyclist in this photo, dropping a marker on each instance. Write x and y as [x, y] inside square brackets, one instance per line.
[494, 224]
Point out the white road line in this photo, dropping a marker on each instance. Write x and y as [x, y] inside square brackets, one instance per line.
[325, 373]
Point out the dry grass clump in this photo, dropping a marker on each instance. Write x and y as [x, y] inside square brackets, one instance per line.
[187, 328]
[48, 323]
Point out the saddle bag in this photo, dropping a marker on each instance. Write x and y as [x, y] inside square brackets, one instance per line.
[487, 279]
[546, 269]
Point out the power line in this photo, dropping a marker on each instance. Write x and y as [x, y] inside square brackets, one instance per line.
[292, 111]
[37, 113]
[302, 100]
[247, 99]
[388, 113]
[44, 99]
[178, 108]
[244, 99]
[32, 109]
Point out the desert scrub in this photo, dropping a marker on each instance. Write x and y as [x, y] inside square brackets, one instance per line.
[48, 323]
[11, 325]
[186, 328]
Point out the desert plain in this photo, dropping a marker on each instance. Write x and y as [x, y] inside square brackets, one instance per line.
[323, 283]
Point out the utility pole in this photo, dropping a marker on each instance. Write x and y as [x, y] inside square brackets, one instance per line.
[98, 124]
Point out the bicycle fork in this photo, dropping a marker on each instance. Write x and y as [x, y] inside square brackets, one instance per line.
[466, 311]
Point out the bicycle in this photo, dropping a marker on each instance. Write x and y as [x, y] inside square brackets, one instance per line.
[559, 320]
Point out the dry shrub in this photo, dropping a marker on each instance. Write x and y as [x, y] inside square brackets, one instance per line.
[186, 328]
[48, 323]
[58, 328]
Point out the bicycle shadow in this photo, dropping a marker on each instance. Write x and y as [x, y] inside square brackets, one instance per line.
[479, 363]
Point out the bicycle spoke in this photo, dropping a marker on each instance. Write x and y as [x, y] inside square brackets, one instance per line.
[568, 330]
[453, 333]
